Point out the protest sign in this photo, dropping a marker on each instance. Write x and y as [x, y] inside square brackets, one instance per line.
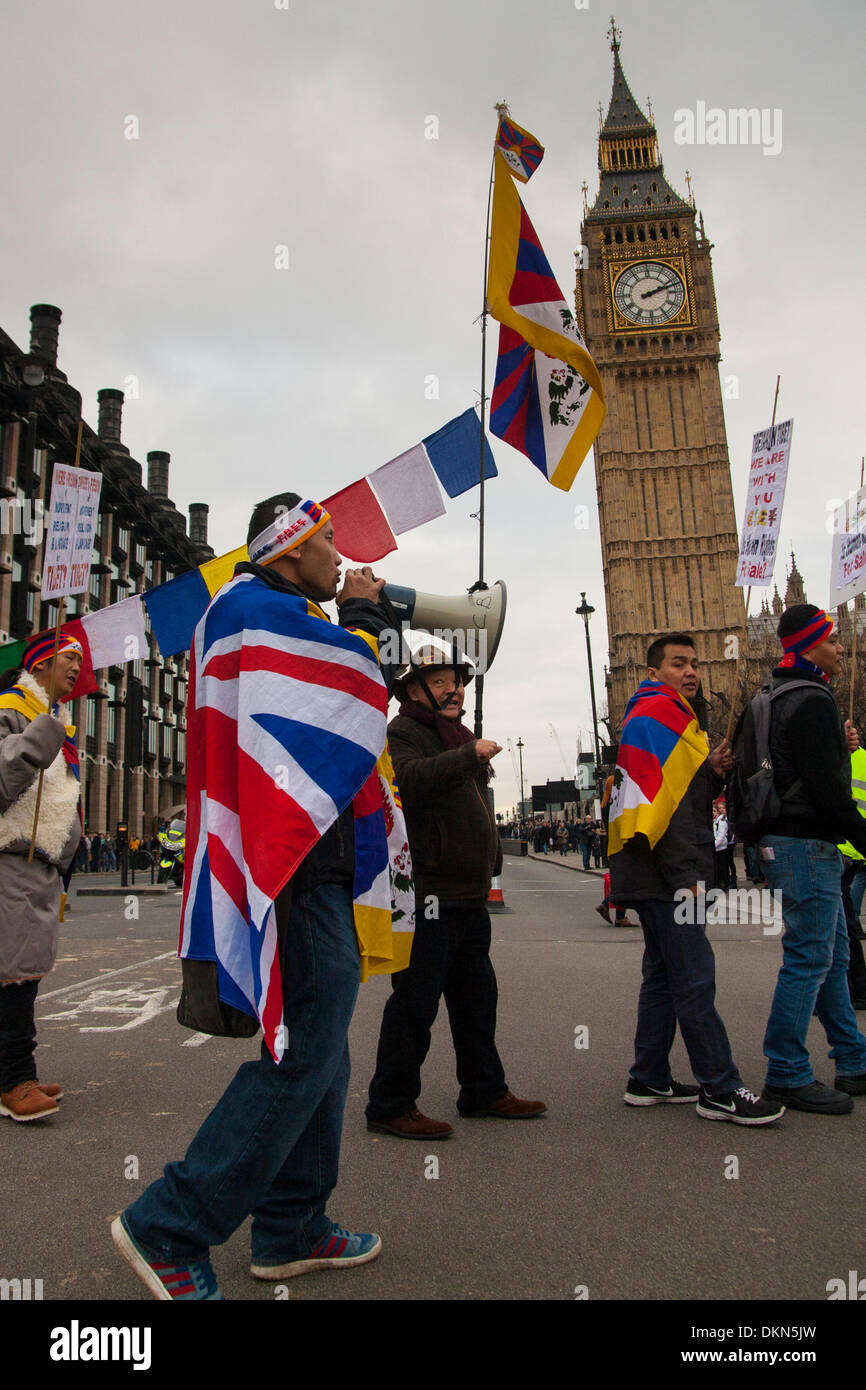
[768, 474]
[70, 531]
[848, 562]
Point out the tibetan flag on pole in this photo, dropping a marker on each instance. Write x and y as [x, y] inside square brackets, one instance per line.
[520, 150]
[660, 750]
[548, 399]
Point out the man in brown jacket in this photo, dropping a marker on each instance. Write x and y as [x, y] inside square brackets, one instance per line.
[442, 772]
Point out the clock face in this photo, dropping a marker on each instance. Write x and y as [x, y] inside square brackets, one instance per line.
[649, 292]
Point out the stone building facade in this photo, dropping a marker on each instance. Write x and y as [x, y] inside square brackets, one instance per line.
[132, 734]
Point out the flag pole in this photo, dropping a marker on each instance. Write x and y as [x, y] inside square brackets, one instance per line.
[53, 681]
[854, 639]
[746, 614]
[501, 109]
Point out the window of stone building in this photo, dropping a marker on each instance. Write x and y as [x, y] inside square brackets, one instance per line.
[180, 750]
[112, 712]
[165, 749]
[152, 735]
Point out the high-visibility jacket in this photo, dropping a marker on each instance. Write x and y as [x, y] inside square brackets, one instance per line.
[858, 791]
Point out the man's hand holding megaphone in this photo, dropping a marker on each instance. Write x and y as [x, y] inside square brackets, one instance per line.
[360, 583]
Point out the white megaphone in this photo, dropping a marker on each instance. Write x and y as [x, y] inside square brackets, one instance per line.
[474, 620]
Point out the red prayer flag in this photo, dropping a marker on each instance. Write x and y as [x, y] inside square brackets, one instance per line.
[361, 530]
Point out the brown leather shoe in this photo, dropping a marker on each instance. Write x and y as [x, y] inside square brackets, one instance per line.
[412, 1125]
[508, 1107]
[26, 1102]
[50, 1088]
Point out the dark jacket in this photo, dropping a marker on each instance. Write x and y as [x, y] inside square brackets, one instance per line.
[452, 830]
[808, 745]
[332, 858]
[684, 856]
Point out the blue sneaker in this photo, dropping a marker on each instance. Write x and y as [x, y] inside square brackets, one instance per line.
[338, 1249]
[164, 1280]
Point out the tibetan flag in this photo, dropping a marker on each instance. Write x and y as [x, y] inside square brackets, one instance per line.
[660, 750]
[361, 530]
[455, 453]
[176, 608]
[520, 150]
[109, 637]
[548, 399]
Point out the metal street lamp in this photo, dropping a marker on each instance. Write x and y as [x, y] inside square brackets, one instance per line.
[520, 748]
[585, 611]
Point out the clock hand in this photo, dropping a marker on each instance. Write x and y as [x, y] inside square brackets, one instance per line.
[658, 289]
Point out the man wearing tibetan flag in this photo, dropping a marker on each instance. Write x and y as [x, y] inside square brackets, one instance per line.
[662, 858]
[548, 400]
[297, 886]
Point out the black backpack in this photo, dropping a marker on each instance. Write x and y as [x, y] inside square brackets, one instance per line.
[752, 799]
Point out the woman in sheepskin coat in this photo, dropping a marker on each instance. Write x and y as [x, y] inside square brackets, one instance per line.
[31, 739]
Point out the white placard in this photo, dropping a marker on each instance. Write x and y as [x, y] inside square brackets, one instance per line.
[70, 531]
[848, 563]
[768, 474]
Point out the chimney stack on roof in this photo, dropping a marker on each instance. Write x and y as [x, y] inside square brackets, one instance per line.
[157, 473]
[198, 512]
[45, 331]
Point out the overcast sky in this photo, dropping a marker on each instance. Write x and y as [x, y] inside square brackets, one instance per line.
[306, 127]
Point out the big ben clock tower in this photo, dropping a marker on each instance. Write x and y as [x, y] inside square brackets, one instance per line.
[647, 309]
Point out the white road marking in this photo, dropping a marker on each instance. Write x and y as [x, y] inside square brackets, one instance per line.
[108, 974]
[196, 1040]
[139, 1004]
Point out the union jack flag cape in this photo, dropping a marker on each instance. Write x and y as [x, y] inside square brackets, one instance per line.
[661, 748]
[287, 725]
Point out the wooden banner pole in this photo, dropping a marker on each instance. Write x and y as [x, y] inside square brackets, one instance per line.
[745, 640]
[53, 681]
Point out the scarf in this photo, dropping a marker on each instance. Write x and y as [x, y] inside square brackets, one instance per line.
[28, 698]
[452, 733]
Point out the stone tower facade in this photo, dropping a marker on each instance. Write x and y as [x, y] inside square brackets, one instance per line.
[647, 308]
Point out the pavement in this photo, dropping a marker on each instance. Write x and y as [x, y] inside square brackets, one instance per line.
[594, 1200]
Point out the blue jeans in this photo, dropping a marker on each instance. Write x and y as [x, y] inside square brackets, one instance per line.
[858, 888]
[814, 974]
[679, 987]
[271, 1146]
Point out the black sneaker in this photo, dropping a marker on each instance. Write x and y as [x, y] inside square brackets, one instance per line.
[816, 1098]
[851, 1085]
[741, 1107]
[636, 1093]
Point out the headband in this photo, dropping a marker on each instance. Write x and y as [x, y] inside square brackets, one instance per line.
[289, 530]
[816, 629]
[42, 649]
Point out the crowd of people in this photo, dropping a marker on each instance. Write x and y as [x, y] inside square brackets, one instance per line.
[313, 923]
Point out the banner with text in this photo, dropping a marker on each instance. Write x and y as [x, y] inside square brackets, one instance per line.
[848, 562]
[70, 531]
[768, 475]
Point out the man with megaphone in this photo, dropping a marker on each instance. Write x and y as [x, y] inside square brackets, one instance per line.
[442, 771]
